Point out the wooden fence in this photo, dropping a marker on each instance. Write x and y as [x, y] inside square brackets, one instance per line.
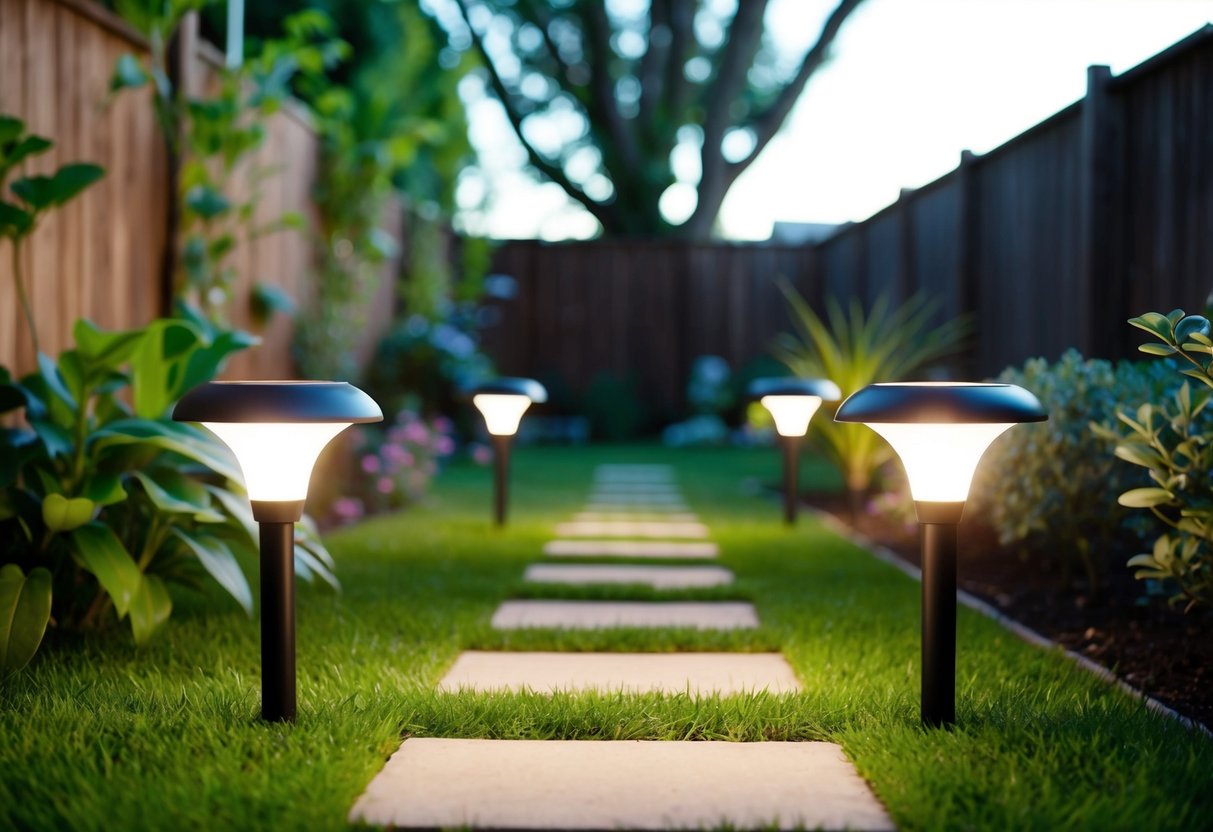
[101, 256]
[1053, 240]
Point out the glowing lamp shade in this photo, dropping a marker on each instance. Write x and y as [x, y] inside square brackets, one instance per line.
[502, 402]
[793, 401]
[276, 429]
[791, 413]
[940, 459]
[941, 429]
[502, 411]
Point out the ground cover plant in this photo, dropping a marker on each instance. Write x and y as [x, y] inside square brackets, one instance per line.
[104, 735]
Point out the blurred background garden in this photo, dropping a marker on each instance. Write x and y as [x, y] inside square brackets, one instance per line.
[644, 206]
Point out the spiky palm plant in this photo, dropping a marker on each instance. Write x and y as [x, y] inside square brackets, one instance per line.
[854, 348]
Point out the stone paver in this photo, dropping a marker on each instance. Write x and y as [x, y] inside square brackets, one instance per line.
[601, 615]
[657, 577]
[648, 508]
[630, 528]
[600, 785]
[636, 516]
[633, 498]
[630, 549]
[699, 674]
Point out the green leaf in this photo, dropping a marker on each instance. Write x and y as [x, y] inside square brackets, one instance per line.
[179, 438]
[1154, 323]
[128, 72]
[1157, 349]
[103, 554]
[70, 180]
[14, 221]
[173, 493]
[53, 380]
[1138, 455]
[24, 149]
[267, 299]
[36, 191]
[61, 514]
[1145, 497]
[104, 489]
[11, 129]
[150, 608]
[56, 440]
[217, 559]
[25, 609]
[206, 202]
[109, 349]
[157, 365]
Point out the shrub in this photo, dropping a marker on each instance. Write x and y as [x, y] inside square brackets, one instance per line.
[400, 462]
[854, 349]
[105, 501]
[1048, 486]
[1173, 442]
[613, 407]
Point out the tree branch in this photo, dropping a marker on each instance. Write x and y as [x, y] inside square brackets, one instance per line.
[602, 105]
[655, 59]
[767, 123]
[551, 170]
[677, 88]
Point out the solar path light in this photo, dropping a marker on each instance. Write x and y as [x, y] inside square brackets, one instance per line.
[792, 403]
[502, 402]
[276, 430]
[940, 431]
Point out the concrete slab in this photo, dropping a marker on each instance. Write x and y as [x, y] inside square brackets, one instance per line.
[632, 498]
[649, 507]
[630, 549]
[639, 515]
[602, 615]
[699, 674]
[601, 785]
[630, 528]
[657, 577]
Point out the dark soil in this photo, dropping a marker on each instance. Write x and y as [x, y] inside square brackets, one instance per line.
[1157, 649]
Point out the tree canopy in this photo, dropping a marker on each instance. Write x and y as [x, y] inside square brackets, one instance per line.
[601, 93]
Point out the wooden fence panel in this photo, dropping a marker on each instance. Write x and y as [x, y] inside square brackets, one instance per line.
[99, 257]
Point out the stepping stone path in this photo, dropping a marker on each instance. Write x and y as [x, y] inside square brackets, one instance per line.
[634, 511]
[657, 577]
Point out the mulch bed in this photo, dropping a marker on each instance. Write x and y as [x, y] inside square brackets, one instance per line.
[1162, 651]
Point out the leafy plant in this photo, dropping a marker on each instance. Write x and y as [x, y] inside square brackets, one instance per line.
[32, 197]
[212, 141]
[854, 349]
[1173, 442]
[1048, 486]
[105, 501]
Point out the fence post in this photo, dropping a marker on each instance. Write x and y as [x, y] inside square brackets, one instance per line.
[968, 284]
[1102, 296]
[907, 274]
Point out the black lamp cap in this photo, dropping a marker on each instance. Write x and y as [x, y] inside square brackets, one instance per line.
[941, 403]
[528, 387]
[822, 388]
[292, 402]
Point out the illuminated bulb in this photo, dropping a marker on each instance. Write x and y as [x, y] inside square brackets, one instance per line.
[276, 459]
[502, 411]
[940, 459]
[791, 413]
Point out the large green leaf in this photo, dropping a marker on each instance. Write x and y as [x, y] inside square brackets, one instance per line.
[217, 559]
[71, 179]
[174, 493]
[104, 489]
[103, 554]
[25, 609]
[150, 608]
[179, 438]
[14, 221]
[158, 365]
[51, 376]
[108, 349]
[36, 191]
[11, 129]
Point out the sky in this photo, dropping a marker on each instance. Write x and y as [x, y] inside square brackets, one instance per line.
[911, 84]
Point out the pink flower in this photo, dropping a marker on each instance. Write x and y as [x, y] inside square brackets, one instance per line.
[397, 435]
[416, 432]
[385, 485]
[481, 454]
[348, 509]
[444, 445]
[443, 425]
[397, 455]
[371, 464]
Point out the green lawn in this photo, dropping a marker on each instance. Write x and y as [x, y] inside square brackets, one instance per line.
[100, 735]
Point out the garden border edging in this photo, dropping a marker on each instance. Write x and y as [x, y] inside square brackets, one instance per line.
[887, 555]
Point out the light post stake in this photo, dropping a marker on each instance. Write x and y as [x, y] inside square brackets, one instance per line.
[501, 477]
[502, 402]
[791, 478]
[276, 430]
[792, 403]
[940, 431]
